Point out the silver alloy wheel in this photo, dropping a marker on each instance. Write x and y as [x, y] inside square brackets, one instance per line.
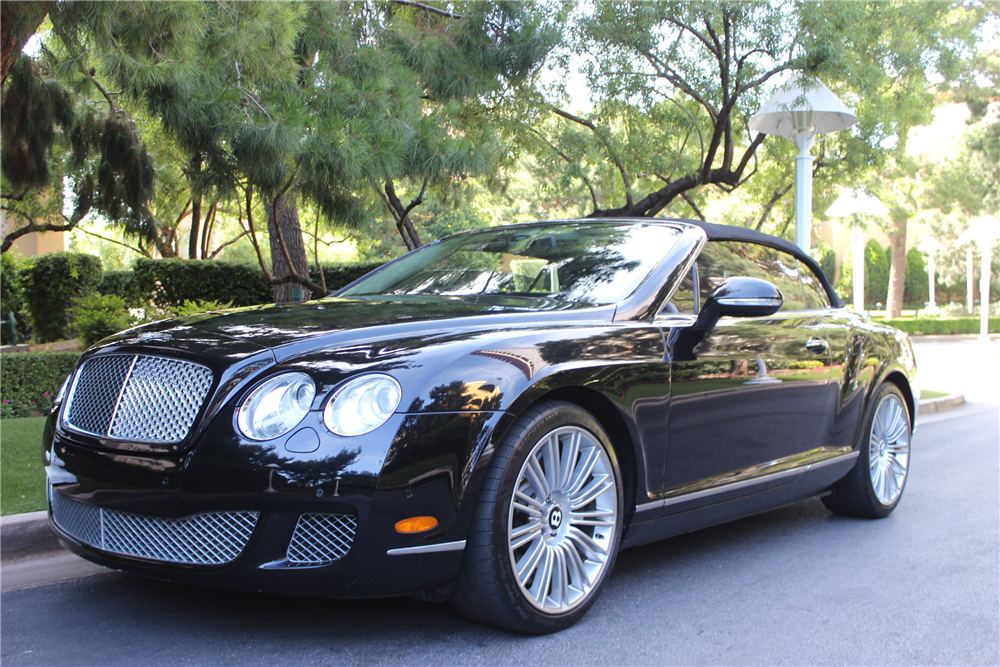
[889, 449]
[563, 519]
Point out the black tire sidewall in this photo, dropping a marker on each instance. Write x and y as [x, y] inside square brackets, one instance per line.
[878, 508]
[553, 416]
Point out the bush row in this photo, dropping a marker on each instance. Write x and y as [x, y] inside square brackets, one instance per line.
[29, 381]
[51, 288]
[943, 326]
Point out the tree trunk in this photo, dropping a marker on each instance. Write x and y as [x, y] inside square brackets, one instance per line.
[18, 22]
[291, 233]
[897, 269]
[195, 227]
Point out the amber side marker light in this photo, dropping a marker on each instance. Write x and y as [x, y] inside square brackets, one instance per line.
[416, 524]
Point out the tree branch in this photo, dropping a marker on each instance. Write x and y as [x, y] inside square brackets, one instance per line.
[428, 8]
[775, 198]
[626, 179]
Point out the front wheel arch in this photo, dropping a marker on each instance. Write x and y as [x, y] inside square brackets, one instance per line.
[623, 437]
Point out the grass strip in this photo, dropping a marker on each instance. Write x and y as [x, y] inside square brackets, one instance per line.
[22, 468]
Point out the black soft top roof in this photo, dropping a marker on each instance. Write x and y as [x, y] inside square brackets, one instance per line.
[732, 233]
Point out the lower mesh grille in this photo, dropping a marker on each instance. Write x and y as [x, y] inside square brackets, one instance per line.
[321, 539]
[203, 539]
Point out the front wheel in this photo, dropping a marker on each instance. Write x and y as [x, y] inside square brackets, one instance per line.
[547, 526]
[874, 486]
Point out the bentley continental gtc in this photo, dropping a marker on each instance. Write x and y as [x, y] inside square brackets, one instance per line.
[487, 420]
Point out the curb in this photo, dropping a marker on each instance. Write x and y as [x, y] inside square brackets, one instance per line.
[28, 536]
[942, 404]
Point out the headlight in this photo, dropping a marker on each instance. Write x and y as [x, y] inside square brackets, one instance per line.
[362, 404]
[275, 407]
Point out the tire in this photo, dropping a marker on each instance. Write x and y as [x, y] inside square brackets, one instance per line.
[875, 484]
[537, 565]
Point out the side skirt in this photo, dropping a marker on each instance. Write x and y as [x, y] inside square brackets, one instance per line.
[812, 480]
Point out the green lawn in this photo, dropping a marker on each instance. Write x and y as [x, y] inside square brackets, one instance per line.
[22, 473]
[930, 393]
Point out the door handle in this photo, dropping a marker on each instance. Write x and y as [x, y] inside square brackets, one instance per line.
[817, 345]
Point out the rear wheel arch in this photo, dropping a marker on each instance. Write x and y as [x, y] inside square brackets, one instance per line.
[897, 378]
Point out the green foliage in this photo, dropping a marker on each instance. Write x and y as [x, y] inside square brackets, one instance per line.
[97, 316]
[943, 326]
[22, 469]
[34, 377]
[342, 275]
[171, 282]
[827, 260]
[916, 287]
[53, 282]
[12, 268]
[195, 307]
[876, 273]
[122, 284]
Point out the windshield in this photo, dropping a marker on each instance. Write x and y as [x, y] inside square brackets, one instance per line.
[589, 262]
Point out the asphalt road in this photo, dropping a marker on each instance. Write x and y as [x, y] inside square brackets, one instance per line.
[793, 586]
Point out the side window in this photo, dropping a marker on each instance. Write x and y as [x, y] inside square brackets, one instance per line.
[783, 271]
[684, 299]
[722, 259]
[816, 297]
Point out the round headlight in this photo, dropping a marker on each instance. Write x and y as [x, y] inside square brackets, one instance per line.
[275, 407]
[362, 404]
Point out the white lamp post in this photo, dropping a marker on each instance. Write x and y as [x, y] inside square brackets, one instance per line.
[852, 203]
[929, 246]
[799, 111]
[984, 230]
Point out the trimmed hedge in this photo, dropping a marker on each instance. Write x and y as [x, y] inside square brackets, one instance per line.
[51, 285]
[27, 377]
[943, 326]
[171, 282]
[342, 275]
[124, 285]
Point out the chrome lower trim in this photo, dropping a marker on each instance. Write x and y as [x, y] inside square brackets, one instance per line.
[850, 456]
[428, 549]
[733, 486]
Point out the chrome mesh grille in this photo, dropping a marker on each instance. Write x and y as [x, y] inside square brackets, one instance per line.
[148, 399]
[202, 539]
[321, 539]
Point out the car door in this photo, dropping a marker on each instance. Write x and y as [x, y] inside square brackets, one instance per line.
[747, 396]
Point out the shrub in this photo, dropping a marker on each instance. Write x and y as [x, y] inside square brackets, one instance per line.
[52, 283]
[98, 316]
[12, 269]
[30, 381]
[915, 289]
[195, 307]
[943, 326]
[876, 273]
[827, 260]
[342, 275]
[122, 284]
[171, 282]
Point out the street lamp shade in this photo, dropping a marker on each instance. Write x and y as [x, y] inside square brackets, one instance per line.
[929, 245]
[851, 202]
[983, 229]
[799, 106]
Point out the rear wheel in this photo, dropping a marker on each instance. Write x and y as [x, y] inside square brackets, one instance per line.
[874, 486]
[547, 526]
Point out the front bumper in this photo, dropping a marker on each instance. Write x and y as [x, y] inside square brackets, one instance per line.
[151, 512]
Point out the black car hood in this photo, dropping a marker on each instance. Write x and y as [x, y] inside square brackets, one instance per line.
[290, 329]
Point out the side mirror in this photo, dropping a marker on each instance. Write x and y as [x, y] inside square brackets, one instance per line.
[739, 296]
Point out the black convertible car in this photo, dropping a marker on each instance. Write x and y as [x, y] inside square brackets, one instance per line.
[487, 420]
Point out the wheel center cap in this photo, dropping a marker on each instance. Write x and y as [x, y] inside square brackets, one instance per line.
[555, 518]
[881, 448]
